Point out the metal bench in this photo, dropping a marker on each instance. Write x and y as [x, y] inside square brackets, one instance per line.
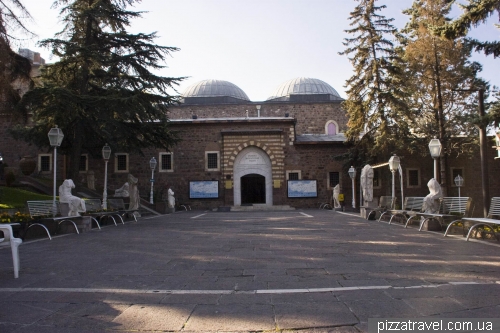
[119, 206]
[384, 203]
[94, 211]
[411, 207]
[450, 208]
[8, 236]
[46, 209]
[488, 221]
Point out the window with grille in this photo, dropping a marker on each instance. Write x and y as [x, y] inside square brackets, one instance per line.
[376, 178]
[334, 179]
[121, 162]
[166, 162]
[83, 163]
[413, 177]
[293, 176]
[44, 163]
[212, 161]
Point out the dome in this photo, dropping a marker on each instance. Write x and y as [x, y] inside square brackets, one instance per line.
[214, 91]
[304, 89]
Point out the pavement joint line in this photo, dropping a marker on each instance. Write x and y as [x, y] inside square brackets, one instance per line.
[229, 292]
[195, 217]
[306, 215]
[349, 214]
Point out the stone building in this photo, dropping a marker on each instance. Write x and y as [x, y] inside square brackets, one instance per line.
[235, 152]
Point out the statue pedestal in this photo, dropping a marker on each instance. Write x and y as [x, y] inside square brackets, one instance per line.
[367, 208]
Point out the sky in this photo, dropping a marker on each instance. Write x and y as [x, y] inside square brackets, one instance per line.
[255, 44]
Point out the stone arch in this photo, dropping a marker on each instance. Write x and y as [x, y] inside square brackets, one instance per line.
[252, 160]
[332, 124]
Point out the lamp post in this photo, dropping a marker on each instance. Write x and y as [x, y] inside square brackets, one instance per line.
[106, 153]
[435, 150]
[459, 182]
[352, 174]
[55, 137]
[152, 165]
[393, 166]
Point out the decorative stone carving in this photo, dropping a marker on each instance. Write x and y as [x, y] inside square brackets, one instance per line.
[76, 204]
[171, 198]
[431, 201]
[336, 192]
[133, 191]
[123, 191]
[367, 183]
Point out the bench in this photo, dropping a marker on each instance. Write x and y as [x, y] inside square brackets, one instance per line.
[488, 221]
[46, 209]
[449, 208]
[411, 206]
[119, 205]
[93, 210]
[8, 236]
[384, 203]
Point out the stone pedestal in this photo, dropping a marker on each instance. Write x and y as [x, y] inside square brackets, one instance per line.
[84, 223]
[367, 208]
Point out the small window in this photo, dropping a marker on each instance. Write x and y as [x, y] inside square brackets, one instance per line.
[454, 173]
[413, 178]
[333, 179]
[84, 163]
[212, 161]
[376, 178]
[331, 127]
[121, 162]
[293, 175]
[44, 163]
[166, 162]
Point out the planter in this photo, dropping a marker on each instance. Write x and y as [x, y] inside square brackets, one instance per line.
[27, 165]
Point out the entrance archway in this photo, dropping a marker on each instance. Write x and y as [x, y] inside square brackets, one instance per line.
[253, 176]
[253, 189]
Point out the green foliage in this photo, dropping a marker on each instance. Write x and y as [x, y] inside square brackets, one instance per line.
[16, 198]
[475, 13]
[101, 90]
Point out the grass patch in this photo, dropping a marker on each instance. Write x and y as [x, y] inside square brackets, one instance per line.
[14, 198]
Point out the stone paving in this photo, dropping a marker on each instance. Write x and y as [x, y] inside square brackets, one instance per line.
[289, 271]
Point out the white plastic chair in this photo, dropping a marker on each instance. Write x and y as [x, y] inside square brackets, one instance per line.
[8, 235]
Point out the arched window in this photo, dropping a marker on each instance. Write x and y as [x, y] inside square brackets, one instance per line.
[331, 127]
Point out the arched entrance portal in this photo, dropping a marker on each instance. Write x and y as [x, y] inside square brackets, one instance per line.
[253, 177]
[253, 189]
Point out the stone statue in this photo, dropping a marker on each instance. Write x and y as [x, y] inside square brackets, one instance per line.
[336, 192]
[133, 191]
[432, 200]
[171, 198]
[367, 183]
[76, 204]
[122, 191]
[91, 180]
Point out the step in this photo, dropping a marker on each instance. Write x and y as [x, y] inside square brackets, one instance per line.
[260, 207]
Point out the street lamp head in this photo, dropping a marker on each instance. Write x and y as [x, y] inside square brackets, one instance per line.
[352, 172]
[435, 148]
[394, 163]
[106, 152]
[55, 136]
[152, 163]
[459, 181]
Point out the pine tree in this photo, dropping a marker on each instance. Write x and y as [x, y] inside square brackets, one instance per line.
[101, 90]
[374, 98]
[475, 13]
[437, 69]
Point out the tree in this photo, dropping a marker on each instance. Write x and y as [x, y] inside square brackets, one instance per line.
[439, 69]
[475, 13]
[14, 69]
[374, 95]
[101, 90]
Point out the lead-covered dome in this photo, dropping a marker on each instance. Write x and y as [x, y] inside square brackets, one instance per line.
[303, 89]
[214, 92]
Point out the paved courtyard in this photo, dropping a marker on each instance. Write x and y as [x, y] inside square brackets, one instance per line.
[307, 271]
